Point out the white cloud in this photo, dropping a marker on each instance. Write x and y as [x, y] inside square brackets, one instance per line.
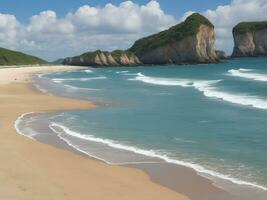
[9, 29]
[48, 23]
[88, 28]
[225, 17]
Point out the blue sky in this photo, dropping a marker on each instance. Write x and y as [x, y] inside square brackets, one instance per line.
[23, 11]
[54, 29]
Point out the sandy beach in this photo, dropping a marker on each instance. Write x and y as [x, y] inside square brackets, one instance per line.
[32, 170]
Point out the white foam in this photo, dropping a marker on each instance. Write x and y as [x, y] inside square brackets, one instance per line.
[38, 87]
[163, 81]
[18, 121]
[88, 71]
[70, 87]
[241, 99]
[60, 80]
[149, 153]
[208, 88]
[248, 74]
[122, 72]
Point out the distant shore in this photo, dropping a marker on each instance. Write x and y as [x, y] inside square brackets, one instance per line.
[31, 170]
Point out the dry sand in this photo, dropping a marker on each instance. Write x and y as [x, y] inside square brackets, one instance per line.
[32, 171]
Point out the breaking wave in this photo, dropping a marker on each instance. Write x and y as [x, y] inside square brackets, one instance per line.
[248, 74]
[208, 88]
[149, 153]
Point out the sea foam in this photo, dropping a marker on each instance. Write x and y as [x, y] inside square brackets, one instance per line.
[208, 88]
[17, 124]
[88, 71]
[60, 80]
[122, 72]
[150, 153]
[248, 74]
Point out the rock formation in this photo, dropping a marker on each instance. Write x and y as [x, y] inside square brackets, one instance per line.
[191, 41]
[250, 39]
[103, 58]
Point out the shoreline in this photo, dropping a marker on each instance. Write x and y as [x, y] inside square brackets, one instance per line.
[209, 174]
[206, 185]
[178, 178]
[31, 170]
[184, 179]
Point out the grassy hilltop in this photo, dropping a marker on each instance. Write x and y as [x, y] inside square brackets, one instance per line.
[9, 57]
[244, 27]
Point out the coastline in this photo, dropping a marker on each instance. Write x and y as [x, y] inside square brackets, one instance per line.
[32, 170]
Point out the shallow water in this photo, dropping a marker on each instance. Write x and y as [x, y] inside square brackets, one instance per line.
[209, 117]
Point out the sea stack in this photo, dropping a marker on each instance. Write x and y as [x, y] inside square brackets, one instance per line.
[250, 39]
[192, 41]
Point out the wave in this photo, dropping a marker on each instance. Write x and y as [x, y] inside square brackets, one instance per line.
[163, 81]
[17, 123]
[60, 80]
[38, 87]
[88, 71]
[122, 72]
[71, 87]
[248, 74]
[208, 88]
[149, 153]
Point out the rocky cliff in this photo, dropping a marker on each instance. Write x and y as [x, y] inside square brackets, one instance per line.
[250, 39]
[191, 41]
[103, 58]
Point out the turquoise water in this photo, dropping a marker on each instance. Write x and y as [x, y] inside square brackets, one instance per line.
[210, 117]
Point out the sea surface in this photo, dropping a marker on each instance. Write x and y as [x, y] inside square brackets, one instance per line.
[212, 118]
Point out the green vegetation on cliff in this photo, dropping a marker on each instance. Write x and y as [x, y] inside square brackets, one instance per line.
[244, 27]
[115, 53]
[118, 53]
[9, 57]
[90, 54]
[187, 28]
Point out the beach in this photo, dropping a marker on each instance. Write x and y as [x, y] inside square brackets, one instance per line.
[32, 170]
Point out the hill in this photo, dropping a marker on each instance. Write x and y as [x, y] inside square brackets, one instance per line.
[9, 57]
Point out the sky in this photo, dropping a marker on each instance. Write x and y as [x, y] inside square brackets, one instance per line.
[54, 29]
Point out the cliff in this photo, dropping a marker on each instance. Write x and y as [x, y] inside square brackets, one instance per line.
[9, 57]
[250, 39]
[103, 58]
[191, 41]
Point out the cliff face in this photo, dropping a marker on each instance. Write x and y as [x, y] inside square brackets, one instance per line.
[189, 42]
[101, 58]
[250, 39]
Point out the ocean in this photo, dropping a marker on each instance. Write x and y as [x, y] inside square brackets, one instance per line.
[209, 117]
